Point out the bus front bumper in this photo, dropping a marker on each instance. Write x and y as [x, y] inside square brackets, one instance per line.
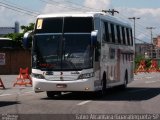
[86, 85]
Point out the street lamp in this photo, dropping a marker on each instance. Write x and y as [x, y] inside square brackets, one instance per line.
[134, 19]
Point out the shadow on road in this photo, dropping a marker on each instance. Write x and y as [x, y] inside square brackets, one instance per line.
[132, 94]
[7, 103]
[114, 94]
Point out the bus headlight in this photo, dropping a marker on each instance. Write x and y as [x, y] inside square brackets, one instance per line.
[86, 75]
[39, 76]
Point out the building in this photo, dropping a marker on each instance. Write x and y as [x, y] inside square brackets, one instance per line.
[149, 50]
[156, 42]
[7, 30]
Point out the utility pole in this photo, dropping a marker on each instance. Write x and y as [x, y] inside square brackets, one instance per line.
[111, 11]
[151, 28]
[134, 19]
[152, 46]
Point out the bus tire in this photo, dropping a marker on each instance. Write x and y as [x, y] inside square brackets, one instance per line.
[124, 86]
[102, 92]
[104, 81]
[52, 94]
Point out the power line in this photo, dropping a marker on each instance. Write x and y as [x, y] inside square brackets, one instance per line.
[51, 2]
[83, 6]
[141, 40]
[18, 9]
[22, 7]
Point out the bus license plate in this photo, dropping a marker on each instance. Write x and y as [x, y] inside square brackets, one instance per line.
[61, 85]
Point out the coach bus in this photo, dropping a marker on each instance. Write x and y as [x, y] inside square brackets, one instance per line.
[85, 52]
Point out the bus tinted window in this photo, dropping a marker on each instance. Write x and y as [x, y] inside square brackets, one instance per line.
[71, 24]
[49, 25]
[131, 36]
[107, 32]
[118, 34]
[128, 36]
[123, 35]
[113, 33]
[78, 24]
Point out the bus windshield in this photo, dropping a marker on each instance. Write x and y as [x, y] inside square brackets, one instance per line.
[62, 52]
[64, 25]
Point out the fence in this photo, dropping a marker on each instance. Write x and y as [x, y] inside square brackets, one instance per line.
[13, 59]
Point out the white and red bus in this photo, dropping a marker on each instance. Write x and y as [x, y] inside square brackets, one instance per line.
[85, 52]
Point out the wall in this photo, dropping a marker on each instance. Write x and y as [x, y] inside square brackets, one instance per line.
[14, 59]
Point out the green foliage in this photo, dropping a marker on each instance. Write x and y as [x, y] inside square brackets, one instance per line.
[17, 37]
[138, 59]
[27, 28]
[148, 63]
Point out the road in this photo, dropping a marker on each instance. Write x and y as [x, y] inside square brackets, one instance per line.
[142, 96]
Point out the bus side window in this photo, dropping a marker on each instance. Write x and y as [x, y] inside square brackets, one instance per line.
[118, 34]
[107, 32]
[112, 33]
[124, 35]
[103, 32]
[128, 36]
[131, 37]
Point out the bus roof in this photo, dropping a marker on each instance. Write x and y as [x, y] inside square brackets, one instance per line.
[102, 15]
[75, 14]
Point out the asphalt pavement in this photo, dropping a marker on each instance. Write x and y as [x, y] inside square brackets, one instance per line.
[140, 100]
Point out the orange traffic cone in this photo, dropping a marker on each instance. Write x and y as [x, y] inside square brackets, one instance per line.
[141, 67]
[1, 84]
[153, 67]
[23, 78]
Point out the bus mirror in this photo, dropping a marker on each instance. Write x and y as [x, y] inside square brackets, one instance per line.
[94, 37]
[27, 39]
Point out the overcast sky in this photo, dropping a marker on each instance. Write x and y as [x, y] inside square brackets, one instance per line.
[147, 10]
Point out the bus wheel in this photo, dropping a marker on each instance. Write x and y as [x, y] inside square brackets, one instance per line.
[52, 94]
[102, 92]
[104, 81]
[124, 86]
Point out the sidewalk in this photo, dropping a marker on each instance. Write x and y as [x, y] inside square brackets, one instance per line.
[151, 75]
[8, 81]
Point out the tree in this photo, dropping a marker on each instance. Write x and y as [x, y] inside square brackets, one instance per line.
[27, 28]
[17, 37]
[139, 58]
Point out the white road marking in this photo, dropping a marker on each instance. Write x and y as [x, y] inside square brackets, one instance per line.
[84, 102]
[147, 82]
[5, 95]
